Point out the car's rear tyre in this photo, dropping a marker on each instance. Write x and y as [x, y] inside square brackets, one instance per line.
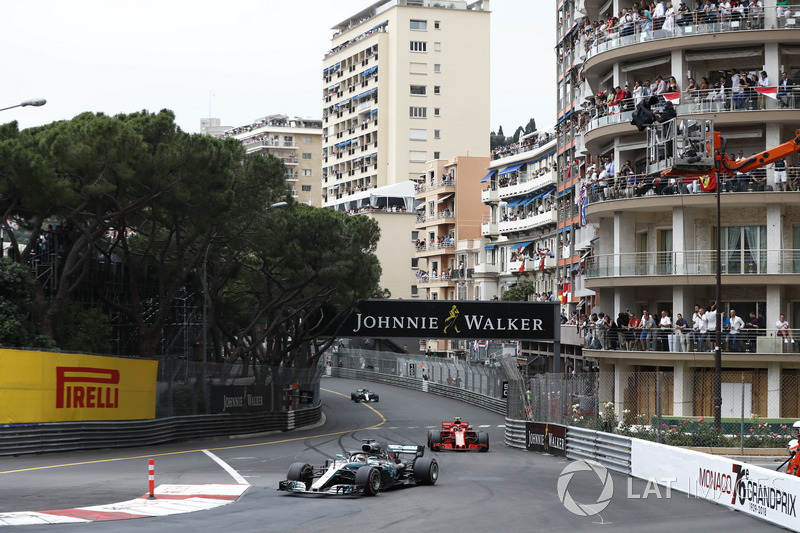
[426, 470]
[376, 397]
[434, 438]
[483, 438]
[369, 479]
[301, 472]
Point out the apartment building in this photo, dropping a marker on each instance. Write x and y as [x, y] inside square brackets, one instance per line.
[404, 82]
[297, 141]
[654, 244]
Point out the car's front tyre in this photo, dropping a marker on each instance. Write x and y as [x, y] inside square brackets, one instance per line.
[369, 479]
[301, 472]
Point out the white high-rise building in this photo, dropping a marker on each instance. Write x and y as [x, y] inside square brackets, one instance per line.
[405, 82]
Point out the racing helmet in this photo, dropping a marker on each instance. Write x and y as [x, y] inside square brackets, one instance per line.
[796, 429]
[457, 420]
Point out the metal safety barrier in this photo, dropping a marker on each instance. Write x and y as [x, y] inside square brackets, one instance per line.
[515, 433]
[610, 450]
[71, 436]
[495, 405]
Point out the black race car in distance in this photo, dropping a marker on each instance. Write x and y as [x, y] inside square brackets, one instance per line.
[363, 395]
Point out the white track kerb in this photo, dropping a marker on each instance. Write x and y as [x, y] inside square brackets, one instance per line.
[169, 500]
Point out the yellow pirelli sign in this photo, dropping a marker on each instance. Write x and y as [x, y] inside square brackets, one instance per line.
[56, 387]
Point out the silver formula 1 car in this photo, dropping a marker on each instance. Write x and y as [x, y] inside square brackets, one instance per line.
[374, 468]
[363, 395]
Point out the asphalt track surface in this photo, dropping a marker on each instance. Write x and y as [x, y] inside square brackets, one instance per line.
[505, 489]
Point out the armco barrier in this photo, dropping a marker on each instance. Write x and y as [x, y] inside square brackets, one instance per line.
[69, 436]
[496, 405]
[515, 433]
[610, 450]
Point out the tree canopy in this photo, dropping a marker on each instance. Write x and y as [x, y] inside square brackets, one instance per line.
[118, 217]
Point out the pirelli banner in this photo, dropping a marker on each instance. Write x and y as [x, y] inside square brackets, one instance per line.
[454, 319]
[57, 387]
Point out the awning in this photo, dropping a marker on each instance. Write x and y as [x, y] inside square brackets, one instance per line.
[369, 71]
[547, 195]
[443, 198]
[488, 176]
[521, 245]
[581, 303]
[510, 169]
[568, 228]
[489, 247]
[514, 202]
[420, 206]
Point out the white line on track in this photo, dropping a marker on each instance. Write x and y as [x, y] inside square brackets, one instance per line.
[225, 466]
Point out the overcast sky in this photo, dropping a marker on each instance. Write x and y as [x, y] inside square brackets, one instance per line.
[236, 60]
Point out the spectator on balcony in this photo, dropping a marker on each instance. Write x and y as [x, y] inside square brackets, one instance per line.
[669, 19]
[684, 15]
[781, 183]
[709, 12]
[763, 81]
[752, 328]
[784, 332]
[700, 326]
[738, 90]
[758, 179]
[736, 326]
[632, 332]
[660, 89]
[724, 11]
[735, 78]
[682, 331]
[664, 330]
[638, 93]
[784, 10]
[647, 327]
[785, 90]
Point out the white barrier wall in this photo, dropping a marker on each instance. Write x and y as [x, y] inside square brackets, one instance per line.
[763, 493]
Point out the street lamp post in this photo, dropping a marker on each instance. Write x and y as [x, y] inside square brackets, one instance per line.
[35, 102]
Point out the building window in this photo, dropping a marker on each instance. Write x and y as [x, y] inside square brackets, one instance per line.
[437, 68]
[419, 46]
[437, 47]
[414, 236]
[414, 262]
[419, 25]
[306, 172]
[415, 134]
[414, 290]
[306, 188]
[306, 140]
[437, 134]
[437, 155]
[419, 90]
[417, 156]
[437, 24]
[418, 112]
[436, 112]
[306, 155]
[437, 89]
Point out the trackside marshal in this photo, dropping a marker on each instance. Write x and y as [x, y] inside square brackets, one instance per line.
[459, 319]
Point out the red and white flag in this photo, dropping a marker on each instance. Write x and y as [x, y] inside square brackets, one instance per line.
[675, 97]
[772, 92]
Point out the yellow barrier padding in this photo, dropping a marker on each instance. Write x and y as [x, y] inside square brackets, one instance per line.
[56, 387]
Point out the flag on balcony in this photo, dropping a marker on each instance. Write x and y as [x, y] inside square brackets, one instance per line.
[675, 97]
[708, 183]
[522, 266]
[772, 92]
[565, 292]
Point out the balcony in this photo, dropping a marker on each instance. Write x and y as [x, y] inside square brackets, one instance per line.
[694, 263]
[725, 106]
[525, 185]
[687, 25]
[441, 184]
[525, 224]
[440, 217]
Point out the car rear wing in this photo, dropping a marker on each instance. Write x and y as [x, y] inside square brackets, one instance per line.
[409, 449]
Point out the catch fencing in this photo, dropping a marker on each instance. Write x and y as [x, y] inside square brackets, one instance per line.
[757, 408]
[486, 379]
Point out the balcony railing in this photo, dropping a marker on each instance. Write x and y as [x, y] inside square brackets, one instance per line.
[691, 23]
[639, 185]
[701, 102]
[693, 262]
[523, 224]
[448, 182]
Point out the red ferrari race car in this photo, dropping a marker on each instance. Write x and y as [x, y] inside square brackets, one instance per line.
[458, 435]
